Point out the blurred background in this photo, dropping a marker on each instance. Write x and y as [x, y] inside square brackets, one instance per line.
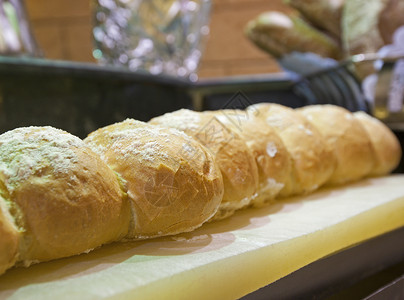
[63, 29]
[292, 52]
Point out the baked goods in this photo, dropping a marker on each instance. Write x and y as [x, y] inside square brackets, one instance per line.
[313, 160]
[385, 143]
[273, 159]
[10, 237]
[324, 14]
[235, 160]
[348, 139]
[57, 197]
[280, 34]
[60, 196]
[335, 29]
[172, 181]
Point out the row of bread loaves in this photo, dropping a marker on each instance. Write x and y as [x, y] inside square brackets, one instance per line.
[61, 196]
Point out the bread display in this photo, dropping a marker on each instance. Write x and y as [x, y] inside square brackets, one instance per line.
[313, 160]
[232, 155]
[346, 137]
[172, 181]
[62, 196]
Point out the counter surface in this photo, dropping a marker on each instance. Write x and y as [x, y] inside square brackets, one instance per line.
[226, 259]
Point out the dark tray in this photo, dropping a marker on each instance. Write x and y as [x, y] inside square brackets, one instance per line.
[80, 98]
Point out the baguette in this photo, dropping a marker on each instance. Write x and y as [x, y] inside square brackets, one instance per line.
[280, 34]
[61, 196]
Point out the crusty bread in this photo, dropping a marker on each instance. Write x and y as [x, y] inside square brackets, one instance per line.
[279, 34]
[59, 195]
[324, 14]
[347, 137]
[313, 160]
[385, 143]
[235, 160]
[10, 237]
[273, 160]
[172, 181]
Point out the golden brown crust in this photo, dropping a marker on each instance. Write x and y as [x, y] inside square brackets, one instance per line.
[63, 198]
[324, 14]
[313, 160]
[345, 134]
[9, 240]
[280, 34]
[172, 181]
[273, 160]
[58, 197]
[385, 143]
[234, 158]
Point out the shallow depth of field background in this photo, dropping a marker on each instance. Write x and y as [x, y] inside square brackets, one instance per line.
[63, 31]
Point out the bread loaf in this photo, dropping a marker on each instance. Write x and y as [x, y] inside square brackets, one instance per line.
[234, 158]
[313, 160]
[324, 14]
[57, 197]
[280, 34]
[172, 181]
[348, 139]
[60, 196]
[273, 159]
